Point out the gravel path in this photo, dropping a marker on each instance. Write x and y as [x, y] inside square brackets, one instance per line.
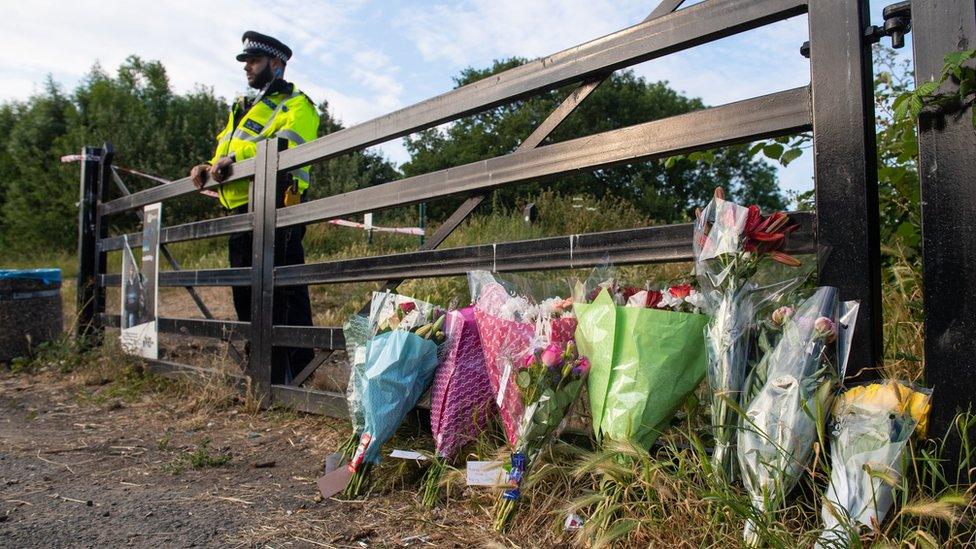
[81, 467]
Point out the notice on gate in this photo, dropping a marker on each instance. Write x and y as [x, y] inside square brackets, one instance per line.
[139, 333]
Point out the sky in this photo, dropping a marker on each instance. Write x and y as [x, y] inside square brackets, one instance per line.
[367, 58]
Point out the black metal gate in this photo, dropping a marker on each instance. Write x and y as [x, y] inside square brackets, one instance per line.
[837, 107]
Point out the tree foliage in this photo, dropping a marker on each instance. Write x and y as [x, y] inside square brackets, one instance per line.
[663, 192]
[153, 129]
[161, 132]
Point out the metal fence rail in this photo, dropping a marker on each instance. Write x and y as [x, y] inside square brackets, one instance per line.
[837, 107]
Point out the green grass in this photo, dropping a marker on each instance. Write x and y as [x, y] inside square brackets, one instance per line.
[67, 262]
[202, 457]
[630, 496]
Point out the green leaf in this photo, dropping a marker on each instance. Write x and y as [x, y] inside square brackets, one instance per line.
[927, 88]
[955, 58]
[966, 87]
[523, 380]
[790, 156]
[915, 106]
[755, 149]
[900, 104]
[773, 151]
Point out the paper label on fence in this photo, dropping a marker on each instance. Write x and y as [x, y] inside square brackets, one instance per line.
[406, 454]
[503, 383]
[485, 473]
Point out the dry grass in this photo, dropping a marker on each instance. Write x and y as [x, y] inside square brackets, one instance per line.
[659, 498]
[631, 497]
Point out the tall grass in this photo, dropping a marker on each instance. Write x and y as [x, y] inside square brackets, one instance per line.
[629, 496]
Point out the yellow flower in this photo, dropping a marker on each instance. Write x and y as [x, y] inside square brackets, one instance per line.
[888, 397]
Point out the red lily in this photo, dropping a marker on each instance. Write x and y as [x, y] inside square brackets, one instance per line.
[628, 292]
[653, 298]
[768, 234]
[680, 291]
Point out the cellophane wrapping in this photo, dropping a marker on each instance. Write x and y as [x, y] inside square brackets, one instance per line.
[356, 332]
[462, 399]
[398, 368]
[872, 425]
[796, 383]
[511, 323]
[736, 279]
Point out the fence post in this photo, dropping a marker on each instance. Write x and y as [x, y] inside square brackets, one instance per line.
[946, 145]
[845, 167]
[263, 198]
[86, 327]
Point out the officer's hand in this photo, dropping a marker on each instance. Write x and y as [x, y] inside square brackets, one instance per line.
[199, 175]
[219, 170]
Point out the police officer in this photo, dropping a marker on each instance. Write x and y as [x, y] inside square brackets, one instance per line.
[278, 110]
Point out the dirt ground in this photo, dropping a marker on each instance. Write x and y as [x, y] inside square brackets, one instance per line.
[88, 462]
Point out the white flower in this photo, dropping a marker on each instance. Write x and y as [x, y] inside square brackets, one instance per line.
[668, 301]
[638, 300]
[697, 300]
[547, 308]
[515, 308]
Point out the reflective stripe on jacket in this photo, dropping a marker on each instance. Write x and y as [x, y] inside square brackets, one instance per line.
[282, 112]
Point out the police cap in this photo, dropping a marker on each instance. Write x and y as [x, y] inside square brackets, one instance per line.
[262, 45]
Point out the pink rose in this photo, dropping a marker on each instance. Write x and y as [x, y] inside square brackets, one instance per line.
[582, 367]
[528, 360]
[825, 328]
[553, 355]
[781, 315]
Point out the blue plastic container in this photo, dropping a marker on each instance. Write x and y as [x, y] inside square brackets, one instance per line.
[30, 310]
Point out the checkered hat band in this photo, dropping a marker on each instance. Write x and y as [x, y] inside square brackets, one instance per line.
[274, 52]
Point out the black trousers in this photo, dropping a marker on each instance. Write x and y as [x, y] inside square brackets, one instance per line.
[291, 304]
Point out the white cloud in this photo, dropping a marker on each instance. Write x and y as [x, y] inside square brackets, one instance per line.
[473, 32]
[477, 31]
[367, 57]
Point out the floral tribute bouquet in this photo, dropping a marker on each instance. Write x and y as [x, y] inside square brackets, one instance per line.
[511, 322]
[871, 428]
[646, 351]
[736, 249]
[397, 367]
[534, 368]
[462, 400]
[549, 381]
[794, 387]
[356, 332]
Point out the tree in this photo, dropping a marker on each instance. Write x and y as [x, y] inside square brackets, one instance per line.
[153, 129]
[350, 171]
[664, 193]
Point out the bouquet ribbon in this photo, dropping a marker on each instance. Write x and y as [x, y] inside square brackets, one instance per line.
[515, 477]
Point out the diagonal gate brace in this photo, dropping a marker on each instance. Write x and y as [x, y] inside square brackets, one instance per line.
[555, 118]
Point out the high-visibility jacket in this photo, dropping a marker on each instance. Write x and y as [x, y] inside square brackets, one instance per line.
[283, 111]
